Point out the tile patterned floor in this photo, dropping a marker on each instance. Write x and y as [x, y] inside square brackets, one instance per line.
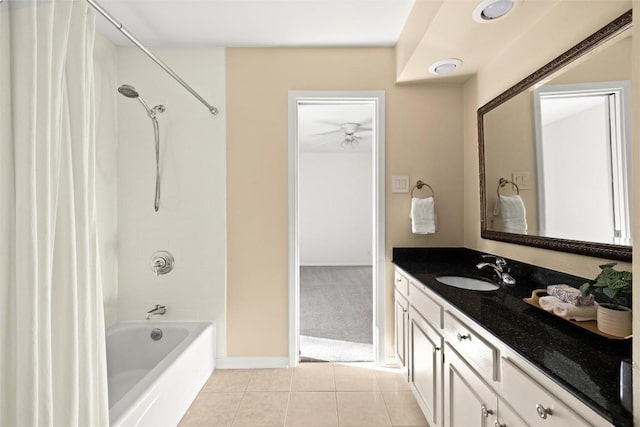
[311, 395]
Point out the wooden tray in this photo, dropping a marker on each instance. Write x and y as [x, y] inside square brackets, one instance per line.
[589, 325]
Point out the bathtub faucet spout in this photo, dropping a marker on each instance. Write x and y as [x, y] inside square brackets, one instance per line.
[159, 309]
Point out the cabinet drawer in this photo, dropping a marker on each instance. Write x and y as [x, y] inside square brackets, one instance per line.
[425, 305]
[476, 351]
[416, 319]
[536, 405]
[402, 284]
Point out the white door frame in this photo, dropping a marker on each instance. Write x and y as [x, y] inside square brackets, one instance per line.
[378, 242]
[620, 159]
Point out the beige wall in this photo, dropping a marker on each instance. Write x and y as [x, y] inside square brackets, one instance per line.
[191, 221]
[510, 147]
[549, 38]
[418, 21]
[423, 140]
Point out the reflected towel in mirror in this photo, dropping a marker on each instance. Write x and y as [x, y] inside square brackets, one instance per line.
[510, 215]
[423, 216]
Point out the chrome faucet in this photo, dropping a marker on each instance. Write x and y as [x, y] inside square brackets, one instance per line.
[158, 310]
[499, 267]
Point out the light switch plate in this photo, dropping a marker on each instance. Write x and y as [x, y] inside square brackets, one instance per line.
[522, 179]
[400, 184]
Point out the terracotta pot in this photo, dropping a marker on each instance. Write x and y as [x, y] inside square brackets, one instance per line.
[616, 322]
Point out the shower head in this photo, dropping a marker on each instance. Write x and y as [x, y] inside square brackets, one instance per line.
[131, 92]
[128, 91]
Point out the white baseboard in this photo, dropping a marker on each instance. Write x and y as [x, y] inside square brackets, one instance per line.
[392, 362]
[251, 362]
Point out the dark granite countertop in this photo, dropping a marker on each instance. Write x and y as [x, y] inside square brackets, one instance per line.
[585, 364]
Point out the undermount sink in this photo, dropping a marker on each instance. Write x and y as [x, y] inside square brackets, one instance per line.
[467, 283]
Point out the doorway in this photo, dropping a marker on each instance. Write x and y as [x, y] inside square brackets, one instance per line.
[336, 216]
[587, 123]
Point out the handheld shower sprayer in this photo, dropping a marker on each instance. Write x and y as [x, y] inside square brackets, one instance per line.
[131, 92]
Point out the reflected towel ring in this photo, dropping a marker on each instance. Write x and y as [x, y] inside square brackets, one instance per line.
[421, 184]
[504, 182]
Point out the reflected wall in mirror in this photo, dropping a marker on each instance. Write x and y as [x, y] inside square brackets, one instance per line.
[561, 138]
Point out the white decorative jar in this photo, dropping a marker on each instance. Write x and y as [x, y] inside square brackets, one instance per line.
[614, 321]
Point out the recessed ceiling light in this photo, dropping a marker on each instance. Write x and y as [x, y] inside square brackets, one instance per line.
[490, 10]
[446, 66]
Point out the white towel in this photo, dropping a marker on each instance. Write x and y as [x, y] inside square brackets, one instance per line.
[510, 215]
[567, 310]
[423, 215]
[577, 313]
[548, 303]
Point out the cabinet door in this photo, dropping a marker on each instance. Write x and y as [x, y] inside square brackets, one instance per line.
[425, 371]
[468, 401]
[402, 317]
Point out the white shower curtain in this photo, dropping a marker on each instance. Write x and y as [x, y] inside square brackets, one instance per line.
[52, 349]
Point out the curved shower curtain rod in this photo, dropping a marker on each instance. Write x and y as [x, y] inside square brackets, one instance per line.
[213, 110]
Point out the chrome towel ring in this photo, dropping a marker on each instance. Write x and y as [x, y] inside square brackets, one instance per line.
[504, 182]
[419, 186]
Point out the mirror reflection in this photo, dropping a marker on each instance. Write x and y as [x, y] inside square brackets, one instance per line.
[562, 148]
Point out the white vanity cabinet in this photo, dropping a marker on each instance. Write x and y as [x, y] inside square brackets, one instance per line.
[401, 310]
[425, 366]
[477, 351]
[468, 401]
[425, 353]
[507, 416]
[533, 402]
[463, 376]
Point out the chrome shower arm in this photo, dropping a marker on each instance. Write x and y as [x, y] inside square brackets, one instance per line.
[150, 113]
[213, 110]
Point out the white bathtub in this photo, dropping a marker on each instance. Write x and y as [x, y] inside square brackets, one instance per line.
[152, 383]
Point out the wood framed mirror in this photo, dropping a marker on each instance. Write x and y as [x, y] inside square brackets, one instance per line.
[561, 139]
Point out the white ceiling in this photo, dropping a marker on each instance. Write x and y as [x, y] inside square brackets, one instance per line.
[439, 29]
[257, 23]
[321, 126]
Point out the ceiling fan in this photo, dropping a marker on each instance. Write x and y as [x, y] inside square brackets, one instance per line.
[351, 131]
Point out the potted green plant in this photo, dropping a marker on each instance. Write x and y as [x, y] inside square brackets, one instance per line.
[614, 318]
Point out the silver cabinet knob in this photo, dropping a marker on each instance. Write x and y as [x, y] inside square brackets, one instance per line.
[543, 412]
[463, 337]
[485, 412]
[497, 424]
